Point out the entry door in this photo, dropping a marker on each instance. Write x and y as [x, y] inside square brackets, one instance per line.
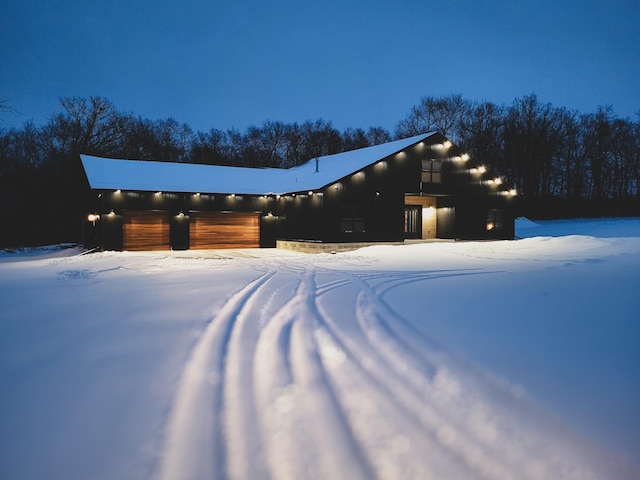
[413, 221]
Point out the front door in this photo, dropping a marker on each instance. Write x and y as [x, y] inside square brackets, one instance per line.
[413, 221]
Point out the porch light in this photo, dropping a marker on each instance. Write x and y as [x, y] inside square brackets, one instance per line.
[196, 194]
[428, 212]
[497, 181]
[277, 197]
[158, 193]
[465, 157]
[310, 193]
[482, 169]
[447, 144]
[233, 195]
[118, 192]
[93, 217]
[513, 192]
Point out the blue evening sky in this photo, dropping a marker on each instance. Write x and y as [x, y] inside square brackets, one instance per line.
[355, 63]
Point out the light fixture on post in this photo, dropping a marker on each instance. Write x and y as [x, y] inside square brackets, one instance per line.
[93, 218]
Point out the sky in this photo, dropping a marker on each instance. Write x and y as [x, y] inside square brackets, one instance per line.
[233, 64]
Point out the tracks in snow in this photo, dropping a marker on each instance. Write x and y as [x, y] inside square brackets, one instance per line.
[309, 373]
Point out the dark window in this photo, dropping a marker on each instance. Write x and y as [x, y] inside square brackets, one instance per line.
[431, 171]
[352, 221]
[494, 220]
[413, 221]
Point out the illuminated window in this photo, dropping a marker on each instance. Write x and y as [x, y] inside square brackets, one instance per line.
[494, 220]
[431, 171]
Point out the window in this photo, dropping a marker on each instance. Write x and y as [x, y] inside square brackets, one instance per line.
[352, 221]
[413, 221]
[494, 220]
[431, 171]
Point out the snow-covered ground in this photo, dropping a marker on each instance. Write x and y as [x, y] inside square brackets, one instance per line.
[499, 360]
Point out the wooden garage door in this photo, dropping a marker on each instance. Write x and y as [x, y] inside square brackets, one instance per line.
[224, 230]
[145, 230]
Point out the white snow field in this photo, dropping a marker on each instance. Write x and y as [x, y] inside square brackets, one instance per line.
[466, 360]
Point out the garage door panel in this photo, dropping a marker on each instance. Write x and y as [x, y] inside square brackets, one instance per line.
[224, 230]
[144, 230]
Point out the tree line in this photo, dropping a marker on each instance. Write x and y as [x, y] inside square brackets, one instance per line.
[563, 162]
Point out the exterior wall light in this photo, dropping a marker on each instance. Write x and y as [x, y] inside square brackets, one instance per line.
[513, 192]
[447, 144]
[93, 218]
[482, 169]
[497, 181]
[118, 192]
[158, 193]
[196, 194]
[465, 157]
[310, 193]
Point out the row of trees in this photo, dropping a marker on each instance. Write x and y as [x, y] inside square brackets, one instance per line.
[554, 156]
[547, 152]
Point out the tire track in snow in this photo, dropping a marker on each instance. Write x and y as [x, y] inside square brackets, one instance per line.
[339, 453]
[245, 457]
[194, 447]
[494, 441]
[282, 385]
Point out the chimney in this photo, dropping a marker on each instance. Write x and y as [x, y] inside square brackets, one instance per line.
[317, 164]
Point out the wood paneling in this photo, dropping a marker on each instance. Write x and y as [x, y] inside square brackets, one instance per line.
[145, 230]
[224, 230]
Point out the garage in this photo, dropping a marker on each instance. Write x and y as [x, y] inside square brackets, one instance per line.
[145, 230]
[224, 230]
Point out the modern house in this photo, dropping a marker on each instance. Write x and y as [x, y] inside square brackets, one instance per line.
[416, 188]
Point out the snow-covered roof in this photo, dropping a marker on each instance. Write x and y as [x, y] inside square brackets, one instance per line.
[142, 175]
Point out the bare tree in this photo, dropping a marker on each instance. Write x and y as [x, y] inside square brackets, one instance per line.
[441, 114]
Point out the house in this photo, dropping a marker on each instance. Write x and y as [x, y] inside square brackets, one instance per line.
[416, 188]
